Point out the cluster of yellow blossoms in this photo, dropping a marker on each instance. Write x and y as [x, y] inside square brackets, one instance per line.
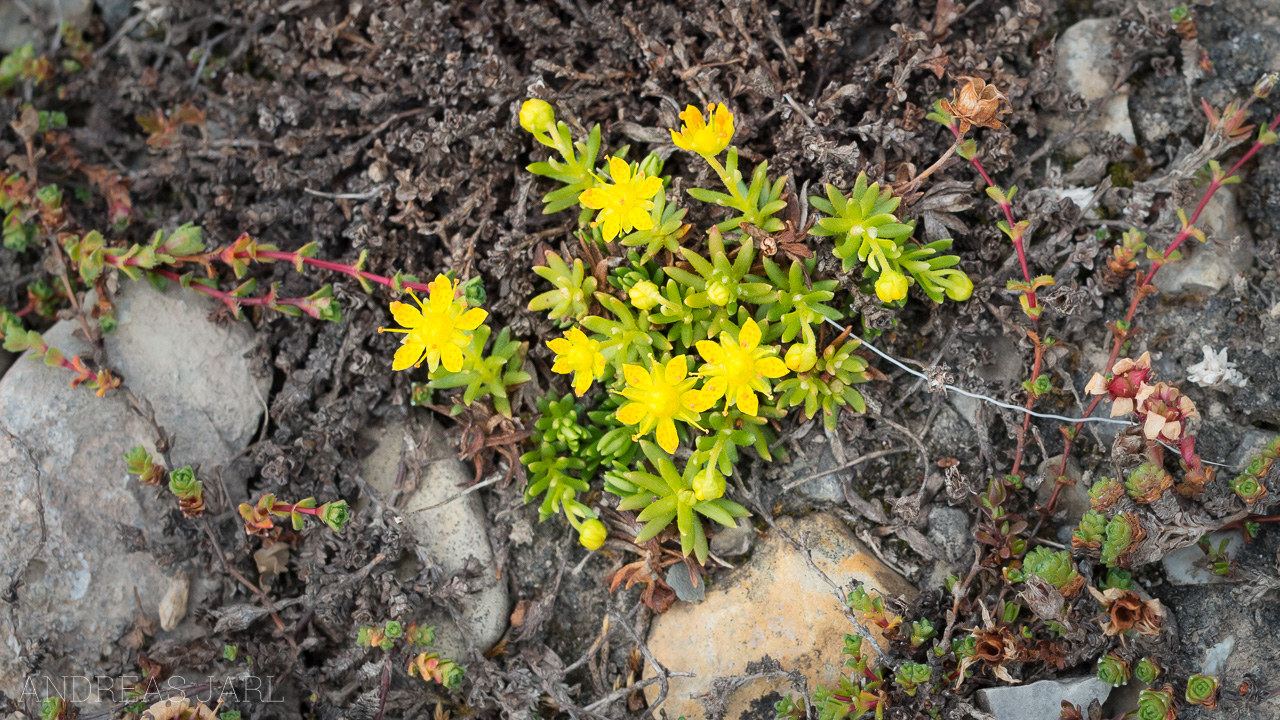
[734, 369]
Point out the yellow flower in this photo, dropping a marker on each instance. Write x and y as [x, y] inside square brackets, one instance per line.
[701, 137]
[659, 397]
[438, 333]
[578, 354]
[625, 205]
[738, 370]
[891, 286]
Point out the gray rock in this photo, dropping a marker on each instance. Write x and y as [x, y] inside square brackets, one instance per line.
[1186, 566]
[447, 536]
[1216, 657]
[114, 12]
[1085, 67]
[1207, 268]
[815, 456]
[1254, 442]
[66, 466]
[1073, 500]
[733, 542]
[949, 530]
[686, 590]
[1041, 700]
[18, 27]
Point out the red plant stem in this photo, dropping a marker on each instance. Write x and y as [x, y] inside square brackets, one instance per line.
[1031, 399]
[230, 300]
[26, 309]
[1008, 216]
[283, 508]
[1182, 236]
[340, 268]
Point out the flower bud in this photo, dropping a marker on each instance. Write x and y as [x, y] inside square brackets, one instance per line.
[800, 357]
[708, 485]
[537, 116]
[962, 289]
[1263, 87]
[335, 514]
[891, 286]
[593, 534]
[718, 294]
[644, 295]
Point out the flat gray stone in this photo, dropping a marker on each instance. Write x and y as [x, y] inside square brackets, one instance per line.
[76, 597]
[686, 590]
[733, 542]
[1041, 700]
[949, 530]
[1085, 67]
[447, 535]
[1208, 267]
[17, 27]
[1186, 566]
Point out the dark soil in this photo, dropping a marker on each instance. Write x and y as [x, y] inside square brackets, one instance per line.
[391, 127]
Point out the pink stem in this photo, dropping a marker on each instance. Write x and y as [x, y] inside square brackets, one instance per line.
[340, 268]
[1008, 216]
[232, 302]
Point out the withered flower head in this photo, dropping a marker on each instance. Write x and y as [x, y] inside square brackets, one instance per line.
[994, 646]
[1163, 412]
[1125, 381]
[976, 103]
[1127, 611]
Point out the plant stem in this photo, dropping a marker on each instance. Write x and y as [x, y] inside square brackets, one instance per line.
[1141, 280]
[339, 268]
[235, 303]
[283, 508]
[1031, 399]
[1008, 216]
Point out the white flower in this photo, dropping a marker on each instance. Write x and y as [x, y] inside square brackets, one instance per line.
[1215, 369]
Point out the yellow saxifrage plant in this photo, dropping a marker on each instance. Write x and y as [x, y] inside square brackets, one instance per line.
[451, 339]
[685, 357]
[437, 331]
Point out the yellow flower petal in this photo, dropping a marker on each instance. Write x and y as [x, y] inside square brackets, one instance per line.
[619, 170]
[771, 367]
[667, 438]
[676, 370]
[715, 388]
[639, 219]
[747, 401]
[749, 335]
[471, 319]
[407, 315]
[559, 345]
[610, 228]
[441, 294]
[406, 356]
[635, 375]
[711, 352]
[681, 142]
[581, 383]
[594, 198]
[698, 400]
[451, 357]
[692, 118]
[649, 187]
[631, 413]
